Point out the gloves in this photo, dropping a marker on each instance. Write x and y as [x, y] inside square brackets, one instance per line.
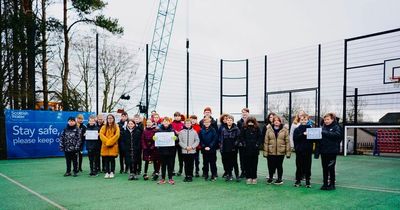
[174, 138]
[154, 138]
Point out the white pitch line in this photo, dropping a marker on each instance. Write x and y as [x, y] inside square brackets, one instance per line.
[33, 192]
[343, 186]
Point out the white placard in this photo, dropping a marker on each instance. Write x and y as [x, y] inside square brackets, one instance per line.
[164, 139]
[92, 135]
[314, 133]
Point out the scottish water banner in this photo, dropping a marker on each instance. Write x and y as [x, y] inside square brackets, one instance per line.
[33, 134]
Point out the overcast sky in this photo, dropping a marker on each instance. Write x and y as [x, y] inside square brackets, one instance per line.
[237, 29]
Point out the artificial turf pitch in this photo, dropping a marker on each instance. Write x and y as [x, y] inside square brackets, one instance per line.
[363, 182]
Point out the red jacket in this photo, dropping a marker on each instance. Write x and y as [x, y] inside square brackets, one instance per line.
[197, 128]
[177, 126]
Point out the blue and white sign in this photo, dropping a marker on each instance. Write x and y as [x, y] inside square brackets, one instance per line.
[33, 134]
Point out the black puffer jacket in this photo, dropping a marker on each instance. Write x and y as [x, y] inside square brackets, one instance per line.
[70, 139]
[229, 138]
[132, 140]
[251, 139]
[301, 143]
[331, 138]
[93, 145]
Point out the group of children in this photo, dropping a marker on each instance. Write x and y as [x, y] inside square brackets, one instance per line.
[134, 140]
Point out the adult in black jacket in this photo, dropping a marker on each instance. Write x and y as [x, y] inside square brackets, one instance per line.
[250, 141]
[303, 148]
[208, 141]
[132, 144]
[328, 147]
[229, 140]
[70, 143]
[93, 146]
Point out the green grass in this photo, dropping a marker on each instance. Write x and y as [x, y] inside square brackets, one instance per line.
[363, 182]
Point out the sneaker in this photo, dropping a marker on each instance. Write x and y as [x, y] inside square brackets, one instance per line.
[155, 177]
[308, 184]
[186, 179]
[297, 183]
[112, 175]
[228, 178]
[324, 187]
[206, 178]
[145, 177]
[213, 179]
[237, 179]
[197, 174]
[75, 174]
[130, 177]
[278, 182]
[242, 175]
[171, 182]
[162, 181]
[269, 181]
[107, 176]
[190, 179]
[254, 181]
[67, 174]
[224, 175]
[249, 181]
[331, 187]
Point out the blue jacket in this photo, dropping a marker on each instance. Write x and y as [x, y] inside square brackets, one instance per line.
[208, 138]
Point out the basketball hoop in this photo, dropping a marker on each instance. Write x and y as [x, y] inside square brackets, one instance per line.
[396, 81]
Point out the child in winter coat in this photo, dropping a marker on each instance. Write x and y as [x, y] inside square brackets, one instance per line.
[109, 135]
[276, 146]
[209, 140]
[132, 143]
[196, 126]
[328, 147]
[229, 139]
[79, 123]
[177, 125]
[167, 154]
[250, 139]
[222, 120]
[150, 153]
[303, 148]
[93, 146]
[121, 148]
[188, 141]
[70, 143]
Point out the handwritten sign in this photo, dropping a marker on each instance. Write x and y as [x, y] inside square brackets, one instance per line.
[92, 135]
[314, 133]
[164, 139]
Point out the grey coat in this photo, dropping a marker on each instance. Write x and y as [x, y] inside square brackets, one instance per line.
[188, 138]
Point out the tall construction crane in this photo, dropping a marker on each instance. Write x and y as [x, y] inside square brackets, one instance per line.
[158, 55]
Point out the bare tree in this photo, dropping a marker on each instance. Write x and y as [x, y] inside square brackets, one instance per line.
[351, 111]
[85, 49]
[117, 68]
